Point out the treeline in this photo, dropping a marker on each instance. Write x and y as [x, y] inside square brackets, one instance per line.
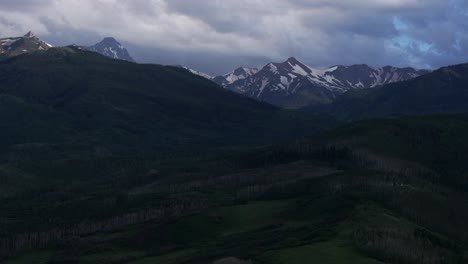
[394, 245]
[16, 243]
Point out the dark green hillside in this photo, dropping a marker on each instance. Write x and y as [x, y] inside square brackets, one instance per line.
[436, 142]
[376, 191]
[68, 102]
[442, 91]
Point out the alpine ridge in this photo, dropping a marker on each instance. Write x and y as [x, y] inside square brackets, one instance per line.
[204, 75]
[293, 84]
[238, 74]
[439, 92]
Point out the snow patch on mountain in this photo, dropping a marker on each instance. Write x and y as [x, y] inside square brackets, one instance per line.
[273, 68]
[265, 82]
[298, 69]
[285, 81]
[204, 75]
[8, 42]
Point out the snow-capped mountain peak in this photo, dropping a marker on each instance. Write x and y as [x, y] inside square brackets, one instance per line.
[14, 46]
[110, 47]
[294, 65]
[292, 61]
[240, 73]
[111, 42]
[30, 34]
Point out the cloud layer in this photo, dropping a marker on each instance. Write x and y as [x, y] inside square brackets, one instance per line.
[216, 35]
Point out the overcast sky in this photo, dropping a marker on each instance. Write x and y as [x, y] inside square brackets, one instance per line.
[215, 36]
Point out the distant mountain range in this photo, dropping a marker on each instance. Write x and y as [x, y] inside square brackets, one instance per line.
[293, 84]
[290, 84]
[14, 46]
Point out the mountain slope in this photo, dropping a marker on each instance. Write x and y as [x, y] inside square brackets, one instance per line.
[442, 91]
[292, 84]
[69, 100]
[19, 45]
[111, 48]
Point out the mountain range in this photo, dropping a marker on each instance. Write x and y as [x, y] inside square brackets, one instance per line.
[293, 84]
[442, 91]
[290, 84]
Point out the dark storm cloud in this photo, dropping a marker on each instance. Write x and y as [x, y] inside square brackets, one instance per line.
[217, 35]
[432, 32]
